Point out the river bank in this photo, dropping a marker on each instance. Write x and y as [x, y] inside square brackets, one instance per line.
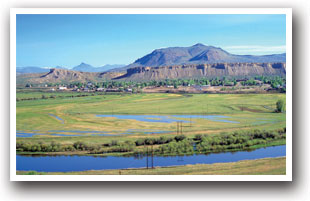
[265, 166]
[66, 163]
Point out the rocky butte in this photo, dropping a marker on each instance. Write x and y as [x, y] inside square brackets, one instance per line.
[204, 70]
[196, 61]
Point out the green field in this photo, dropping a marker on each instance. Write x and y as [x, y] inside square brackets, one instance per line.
[25, 94]
[266, 166]
[79, 113]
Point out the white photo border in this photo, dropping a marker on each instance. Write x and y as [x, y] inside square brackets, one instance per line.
[289, 142]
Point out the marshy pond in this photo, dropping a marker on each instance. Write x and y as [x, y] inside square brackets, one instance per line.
[142, 118]
[171, 118]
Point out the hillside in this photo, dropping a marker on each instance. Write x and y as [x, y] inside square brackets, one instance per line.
[168, 63]
[204, 70]
[64, 76]
[158, 73]
[198, 54]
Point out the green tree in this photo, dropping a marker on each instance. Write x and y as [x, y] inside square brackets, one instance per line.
[280, 106]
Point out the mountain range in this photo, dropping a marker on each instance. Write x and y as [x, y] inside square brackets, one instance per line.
[167, 63]
[196, 54]
[82, 67]
[199, 54]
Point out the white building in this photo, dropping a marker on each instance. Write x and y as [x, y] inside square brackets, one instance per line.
[62, 88]
[100, 89]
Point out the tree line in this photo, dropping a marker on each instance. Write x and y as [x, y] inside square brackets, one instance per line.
[274, 81]
[166, 145]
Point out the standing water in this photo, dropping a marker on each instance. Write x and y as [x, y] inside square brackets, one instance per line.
[81, 163]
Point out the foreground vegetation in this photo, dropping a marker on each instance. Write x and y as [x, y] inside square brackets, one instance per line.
[266, 166]
[177, 145]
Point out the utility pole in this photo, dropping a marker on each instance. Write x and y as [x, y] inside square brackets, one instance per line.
[181, 128]
[147, 158]
[152, 158]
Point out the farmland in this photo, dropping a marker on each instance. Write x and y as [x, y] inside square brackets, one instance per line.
[80, 113]
[118, 124]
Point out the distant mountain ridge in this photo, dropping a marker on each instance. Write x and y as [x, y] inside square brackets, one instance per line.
[199, 54]
[83, 67]
[31, 69]
[196, 54]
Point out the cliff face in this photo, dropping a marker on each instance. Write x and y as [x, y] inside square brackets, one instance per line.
[159, 73]
[65, 76]
[62, 75]
[204, 70]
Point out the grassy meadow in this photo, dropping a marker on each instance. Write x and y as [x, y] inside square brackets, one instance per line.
[79, 113]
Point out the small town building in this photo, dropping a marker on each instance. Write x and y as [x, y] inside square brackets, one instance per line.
[100, 89]
[62, 88]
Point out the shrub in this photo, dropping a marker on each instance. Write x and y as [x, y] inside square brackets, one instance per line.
[179, 138]
[80, 146]
[139, 142]
[198, 137]
[112, 143]
[150, 141]
[280, 106]
[164, 140]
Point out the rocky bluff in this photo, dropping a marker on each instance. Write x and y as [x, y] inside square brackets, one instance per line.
[204, 70]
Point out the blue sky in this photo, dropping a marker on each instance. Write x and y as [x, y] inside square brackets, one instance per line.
[67, 40]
